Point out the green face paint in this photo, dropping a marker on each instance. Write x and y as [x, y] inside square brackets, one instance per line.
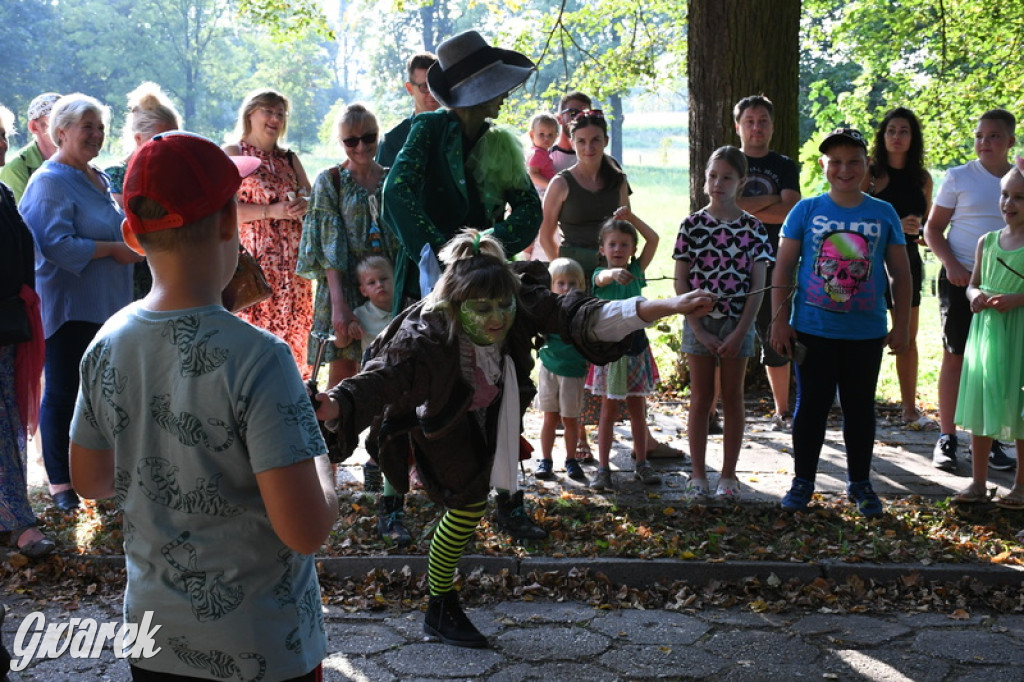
[487, 320]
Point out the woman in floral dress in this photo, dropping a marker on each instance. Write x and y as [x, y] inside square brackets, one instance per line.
[271, 204]
[342, 228]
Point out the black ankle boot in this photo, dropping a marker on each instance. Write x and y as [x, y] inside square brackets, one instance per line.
[446, 620]
[389, 520]
[513, 519]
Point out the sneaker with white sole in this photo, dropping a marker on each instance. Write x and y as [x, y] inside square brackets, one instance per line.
[646, 474]
[602, 479]
[799, 495]
[696, 491]
[782, 422]
[728, 489]
[999, 460]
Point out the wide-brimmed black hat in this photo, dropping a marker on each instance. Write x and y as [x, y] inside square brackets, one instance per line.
[470, 72]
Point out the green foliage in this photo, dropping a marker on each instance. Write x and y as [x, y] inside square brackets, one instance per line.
[949, 60]
[288, 21]
[328, 133]
[602, 47]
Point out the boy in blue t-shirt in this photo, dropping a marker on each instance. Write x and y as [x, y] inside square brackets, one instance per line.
[560, 381]
[199, 424]
[839, 248]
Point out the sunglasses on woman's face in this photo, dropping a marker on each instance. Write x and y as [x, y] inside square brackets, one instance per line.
[367, 139]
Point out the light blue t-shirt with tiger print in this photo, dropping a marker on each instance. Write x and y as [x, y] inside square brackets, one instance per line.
[194, 403]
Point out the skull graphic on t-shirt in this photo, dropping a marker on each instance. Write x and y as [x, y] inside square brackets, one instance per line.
[844, 264]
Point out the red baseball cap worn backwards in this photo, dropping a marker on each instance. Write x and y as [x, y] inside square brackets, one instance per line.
[187, 174]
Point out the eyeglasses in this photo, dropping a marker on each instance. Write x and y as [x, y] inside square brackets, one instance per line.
[572, 113]
[423, 87]
[275, 113]
[367, 139]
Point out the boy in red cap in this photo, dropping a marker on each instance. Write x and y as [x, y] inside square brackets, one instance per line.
[199, 424]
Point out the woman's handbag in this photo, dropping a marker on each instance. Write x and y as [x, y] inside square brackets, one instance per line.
[14, 326]
[248, 286]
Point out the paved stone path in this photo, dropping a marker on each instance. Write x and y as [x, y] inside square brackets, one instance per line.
[572, 641]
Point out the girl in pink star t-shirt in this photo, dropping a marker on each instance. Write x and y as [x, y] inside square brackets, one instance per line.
[726, 251]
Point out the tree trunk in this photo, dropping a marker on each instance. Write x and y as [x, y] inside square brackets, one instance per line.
[615, 104]
[738, 48]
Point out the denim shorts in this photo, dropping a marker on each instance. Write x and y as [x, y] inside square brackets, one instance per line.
[720, 327]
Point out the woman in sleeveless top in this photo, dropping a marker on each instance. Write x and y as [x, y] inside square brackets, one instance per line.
[899, 177]
[577, 203]
[580, 199]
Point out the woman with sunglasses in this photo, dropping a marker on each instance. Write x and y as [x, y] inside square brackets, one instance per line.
[341, 228]
[456, 168]
[271, 204]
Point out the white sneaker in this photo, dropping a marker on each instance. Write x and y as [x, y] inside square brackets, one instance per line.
[696, 490]
[728, 489]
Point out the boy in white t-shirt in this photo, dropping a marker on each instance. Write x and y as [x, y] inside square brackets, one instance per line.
[968, 204]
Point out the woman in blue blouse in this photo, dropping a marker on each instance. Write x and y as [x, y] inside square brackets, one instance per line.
[83, 267]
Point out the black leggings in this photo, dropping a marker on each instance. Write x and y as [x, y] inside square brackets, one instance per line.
[852, 367]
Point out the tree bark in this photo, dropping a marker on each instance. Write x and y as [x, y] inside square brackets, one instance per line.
[615, 104]
[738, 48]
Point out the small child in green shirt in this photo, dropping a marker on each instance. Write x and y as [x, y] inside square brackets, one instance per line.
[560, 386]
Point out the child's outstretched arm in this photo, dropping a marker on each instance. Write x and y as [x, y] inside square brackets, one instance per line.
[651, 238]
[697, 302]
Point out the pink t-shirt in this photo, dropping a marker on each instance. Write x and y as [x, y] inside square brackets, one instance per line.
[540, 159]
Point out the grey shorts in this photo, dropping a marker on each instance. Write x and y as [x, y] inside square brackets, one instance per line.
[563, 395]
[720, 327]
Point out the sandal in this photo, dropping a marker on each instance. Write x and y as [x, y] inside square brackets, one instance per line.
[33, 550]
[975, 492]
[665, 451]
[922, 423]
[583, 453]
[1012, 500]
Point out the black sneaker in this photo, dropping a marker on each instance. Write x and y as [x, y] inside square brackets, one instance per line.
[574, 470]
[544, 470]
[944, 453]
[999, 460]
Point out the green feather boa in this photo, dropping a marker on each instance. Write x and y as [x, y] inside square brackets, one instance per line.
[497, 164]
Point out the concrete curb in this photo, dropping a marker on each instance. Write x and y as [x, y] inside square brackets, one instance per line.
[647, 572]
